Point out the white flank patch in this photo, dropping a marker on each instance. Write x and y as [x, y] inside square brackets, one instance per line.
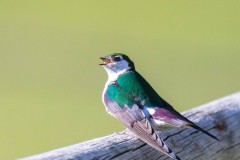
[159, 122]
[151, 111]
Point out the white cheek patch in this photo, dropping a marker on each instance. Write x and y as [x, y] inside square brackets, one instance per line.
[122, 65]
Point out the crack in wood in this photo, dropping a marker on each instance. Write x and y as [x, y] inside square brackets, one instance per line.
[172, 135]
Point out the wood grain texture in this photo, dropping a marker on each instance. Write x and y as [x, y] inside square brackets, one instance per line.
[220, 117]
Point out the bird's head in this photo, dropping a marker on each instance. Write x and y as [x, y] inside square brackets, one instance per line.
[116, 64]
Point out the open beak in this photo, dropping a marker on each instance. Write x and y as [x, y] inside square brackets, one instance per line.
[105, 61]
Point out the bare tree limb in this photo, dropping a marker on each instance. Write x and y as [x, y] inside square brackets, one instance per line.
[220, 117]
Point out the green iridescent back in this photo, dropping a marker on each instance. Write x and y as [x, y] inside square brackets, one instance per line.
[129, 87]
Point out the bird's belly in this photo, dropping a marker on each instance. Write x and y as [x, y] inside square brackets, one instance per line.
[111, 106]
[107, 105]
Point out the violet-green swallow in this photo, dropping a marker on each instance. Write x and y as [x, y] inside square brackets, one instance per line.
[131, 99]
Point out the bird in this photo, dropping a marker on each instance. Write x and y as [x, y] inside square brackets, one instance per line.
[128, 97]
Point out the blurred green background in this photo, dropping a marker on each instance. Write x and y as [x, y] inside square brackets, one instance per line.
[51, 83]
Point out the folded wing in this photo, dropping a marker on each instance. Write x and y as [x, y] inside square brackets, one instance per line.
[135, 120]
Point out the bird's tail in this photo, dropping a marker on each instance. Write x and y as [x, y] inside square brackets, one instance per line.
[204, 131]
[193, 125]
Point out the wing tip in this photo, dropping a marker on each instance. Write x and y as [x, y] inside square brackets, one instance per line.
[173, 155]
[177, 158]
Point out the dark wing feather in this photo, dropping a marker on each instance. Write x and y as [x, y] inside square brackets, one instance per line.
[168, 107]
[135, 121]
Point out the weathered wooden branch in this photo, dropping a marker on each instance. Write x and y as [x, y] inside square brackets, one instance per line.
[220, 117]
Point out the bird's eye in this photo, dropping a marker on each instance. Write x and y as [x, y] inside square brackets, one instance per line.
[116, 58]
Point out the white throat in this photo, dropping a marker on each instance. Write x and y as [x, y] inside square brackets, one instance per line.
[112, 76]
[116, 69]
